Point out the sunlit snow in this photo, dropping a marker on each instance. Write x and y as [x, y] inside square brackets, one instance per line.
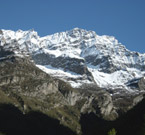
[79, 44]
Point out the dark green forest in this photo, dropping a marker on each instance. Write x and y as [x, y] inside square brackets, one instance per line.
[14, 122]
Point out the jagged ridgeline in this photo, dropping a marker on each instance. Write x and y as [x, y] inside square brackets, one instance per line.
[73, 82]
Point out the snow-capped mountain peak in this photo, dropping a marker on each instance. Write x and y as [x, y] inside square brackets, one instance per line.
[78, 56]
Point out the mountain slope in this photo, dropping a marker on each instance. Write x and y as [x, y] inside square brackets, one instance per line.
[69, 74]
[26, 87]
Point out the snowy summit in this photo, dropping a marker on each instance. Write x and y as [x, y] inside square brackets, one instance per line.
[79, 57]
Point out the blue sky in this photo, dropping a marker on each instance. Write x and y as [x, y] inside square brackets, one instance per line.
[124, 19]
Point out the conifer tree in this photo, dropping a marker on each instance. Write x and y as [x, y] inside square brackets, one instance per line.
[112, 132]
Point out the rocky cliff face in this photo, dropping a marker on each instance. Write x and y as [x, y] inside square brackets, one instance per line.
[29, 88]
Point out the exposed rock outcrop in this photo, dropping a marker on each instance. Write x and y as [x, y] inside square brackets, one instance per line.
[141, 83]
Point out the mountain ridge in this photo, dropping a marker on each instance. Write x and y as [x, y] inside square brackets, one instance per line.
[82, 57]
